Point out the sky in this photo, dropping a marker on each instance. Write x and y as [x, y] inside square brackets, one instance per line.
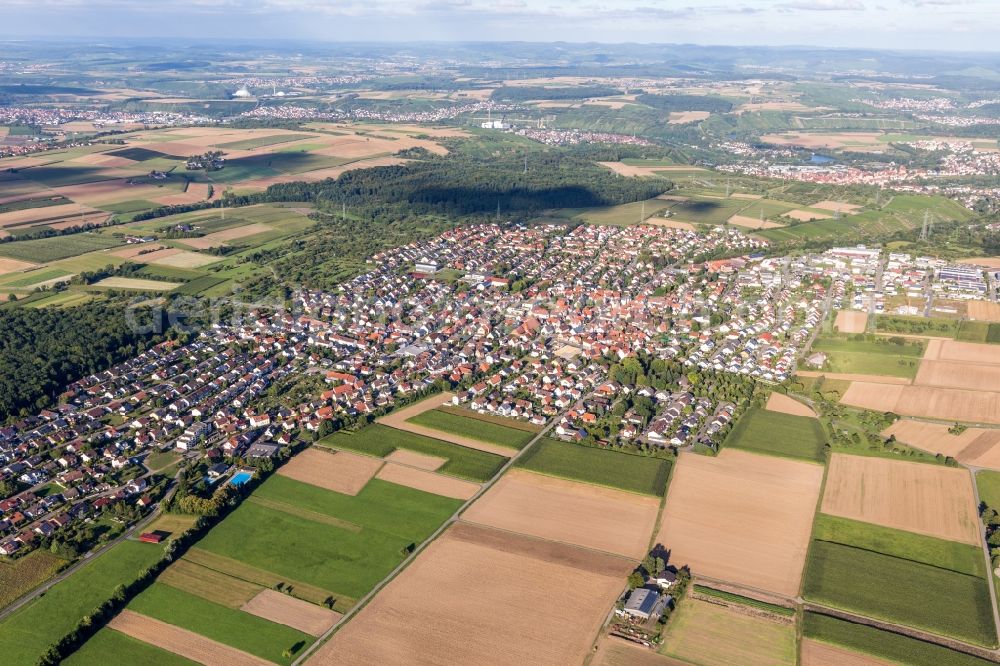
[967, 25]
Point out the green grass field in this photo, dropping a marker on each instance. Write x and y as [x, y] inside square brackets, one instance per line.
[871, 356]
[235, 628]
[343, 561]
[379, 440]
[988, 483]
[108, 646]
[27, 634]
[961, 557]
[912, 325]
[884, 644]
[489, 418]
[778, 434]
[638, 474]
[58, 247]
[910, 593]
[34, 277]
[484, 431]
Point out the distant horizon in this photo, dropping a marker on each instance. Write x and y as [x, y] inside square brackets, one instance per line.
[962, 26]
[431, 42]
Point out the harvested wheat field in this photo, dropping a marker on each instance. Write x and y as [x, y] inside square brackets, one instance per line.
[962, 352]
[480, 596]
[614, 651]
[182, 259]
[289, 611]
[581, 514]
[429, 482]
[984, 311]
[16, 218]
[703, 632]
[220, 237]
[669, 223]
[136, 283]
[398, 419]
[954, 374]
[851, 321]
[987, 262]
[842, 206]
[807, 215]
[414, 459]
[741, 517]
[949, 404]
[817, 653]
[753, 222]
[974, 446]
[779, 402]
[181, 641]
[918, 497]
[14, 265]
[341, 472]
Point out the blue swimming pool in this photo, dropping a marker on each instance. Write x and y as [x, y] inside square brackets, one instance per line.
[240, 478]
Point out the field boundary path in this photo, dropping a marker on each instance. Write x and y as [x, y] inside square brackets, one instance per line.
[990, 577]
[455, 517]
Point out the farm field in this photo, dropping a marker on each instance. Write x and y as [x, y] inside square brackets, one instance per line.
[818, 653]
[345, 556]
[781, 403]
[922, 498]
[237, 629]
[27, 634]
[289, 611]
[613, 651]
[705, 633]
[23, 574]
[446, 603]
[870, 357]
[181, 642]
[341, 472]
[910, 593]
[779, 434]
[402, 419]
[427, 481]
[851, 321]
[569, 512]
[883, 645]
[951, 555]
[973, 446]
[381, 440]
[110, 646]
[741, 517]
[485, 431]
[948, 404]
[516, 424]
[174, 524]
[603, 467]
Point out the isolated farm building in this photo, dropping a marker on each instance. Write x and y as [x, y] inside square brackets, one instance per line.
[644, 603]
[151, 537]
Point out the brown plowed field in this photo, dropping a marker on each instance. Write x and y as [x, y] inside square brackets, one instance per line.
[984, 311]
[289, 611]
[927, 499]
[851, 321]
[479, 596]
[429, 482]
[581, 514]
[779, 402]
[619, 652]
[741, 517]
[926, 401]
[181, 641]
[341, 472]
[414, 459]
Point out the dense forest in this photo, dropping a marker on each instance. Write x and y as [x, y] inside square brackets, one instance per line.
[471, 184]
[686, 103]
[42, 350]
